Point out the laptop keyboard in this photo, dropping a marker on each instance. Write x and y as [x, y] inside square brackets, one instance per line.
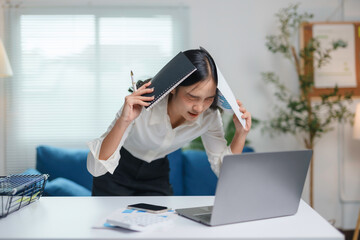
[204, 217]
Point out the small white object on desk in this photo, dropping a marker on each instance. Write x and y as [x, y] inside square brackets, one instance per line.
[137, 220]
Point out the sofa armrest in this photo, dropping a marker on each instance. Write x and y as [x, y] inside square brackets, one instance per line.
[60, 186]
[66, 163]
[65, 187]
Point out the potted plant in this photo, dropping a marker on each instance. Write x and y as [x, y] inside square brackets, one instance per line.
[296, 113]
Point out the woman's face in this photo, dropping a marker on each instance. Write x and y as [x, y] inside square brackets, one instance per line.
[188, 102]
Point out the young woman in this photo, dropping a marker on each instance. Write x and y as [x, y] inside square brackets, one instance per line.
[130, 158]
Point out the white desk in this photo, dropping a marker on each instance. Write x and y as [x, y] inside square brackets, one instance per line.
[73, 218]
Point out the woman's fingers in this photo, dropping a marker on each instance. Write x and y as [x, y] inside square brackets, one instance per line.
[241, 107]
[246, 115]
[133, 100]
[140, 102]
[142, 91]
[146, 99]
[144, 86]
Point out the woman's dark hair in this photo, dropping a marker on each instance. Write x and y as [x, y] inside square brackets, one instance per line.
[206, 67]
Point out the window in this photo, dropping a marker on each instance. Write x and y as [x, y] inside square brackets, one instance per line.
[72, 71]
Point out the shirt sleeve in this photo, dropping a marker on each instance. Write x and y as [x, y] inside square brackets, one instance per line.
[99, 167]
[215, 144]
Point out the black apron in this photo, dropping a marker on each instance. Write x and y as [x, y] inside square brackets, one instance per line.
[135, 177]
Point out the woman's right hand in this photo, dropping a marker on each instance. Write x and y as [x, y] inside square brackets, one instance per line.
[135, 102]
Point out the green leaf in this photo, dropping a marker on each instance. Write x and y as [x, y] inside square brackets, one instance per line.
[295, 112]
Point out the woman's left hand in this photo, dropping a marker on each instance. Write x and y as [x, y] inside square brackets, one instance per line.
[238, 141]
[247, 116]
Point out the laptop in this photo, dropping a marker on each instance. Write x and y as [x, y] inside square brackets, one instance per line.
[253, 186]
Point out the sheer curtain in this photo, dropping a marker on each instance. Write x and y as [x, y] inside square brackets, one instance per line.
[72, 70]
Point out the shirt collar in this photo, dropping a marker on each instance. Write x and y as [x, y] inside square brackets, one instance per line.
[159, 114]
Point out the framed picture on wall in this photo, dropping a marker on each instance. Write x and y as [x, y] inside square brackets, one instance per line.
[343, 69]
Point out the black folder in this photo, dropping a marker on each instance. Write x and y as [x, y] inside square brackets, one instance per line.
[169, 77]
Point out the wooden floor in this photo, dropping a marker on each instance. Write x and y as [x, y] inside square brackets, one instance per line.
[348, 234]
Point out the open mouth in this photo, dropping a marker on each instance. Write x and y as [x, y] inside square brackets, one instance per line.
[193, 114]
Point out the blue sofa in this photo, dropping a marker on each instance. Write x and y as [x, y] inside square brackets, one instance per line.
[190, 172]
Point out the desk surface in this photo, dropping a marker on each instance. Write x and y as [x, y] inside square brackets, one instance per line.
[73, 218]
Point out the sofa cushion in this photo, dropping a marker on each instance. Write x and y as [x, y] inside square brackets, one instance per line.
[31, 171]
[176, 172]
[247, 149]
[65, 187]
[66, 163]
[199, 179]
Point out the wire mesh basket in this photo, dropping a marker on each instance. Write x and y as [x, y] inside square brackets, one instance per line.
[17, 191]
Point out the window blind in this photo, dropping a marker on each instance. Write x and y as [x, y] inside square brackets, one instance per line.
[72, 71]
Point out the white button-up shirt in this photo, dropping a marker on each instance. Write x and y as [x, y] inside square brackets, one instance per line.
[150, 136]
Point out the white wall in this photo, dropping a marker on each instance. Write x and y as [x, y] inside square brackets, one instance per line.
[2, 107]
[234, 32]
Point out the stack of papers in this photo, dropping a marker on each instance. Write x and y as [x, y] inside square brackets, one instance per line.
[135, 220]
